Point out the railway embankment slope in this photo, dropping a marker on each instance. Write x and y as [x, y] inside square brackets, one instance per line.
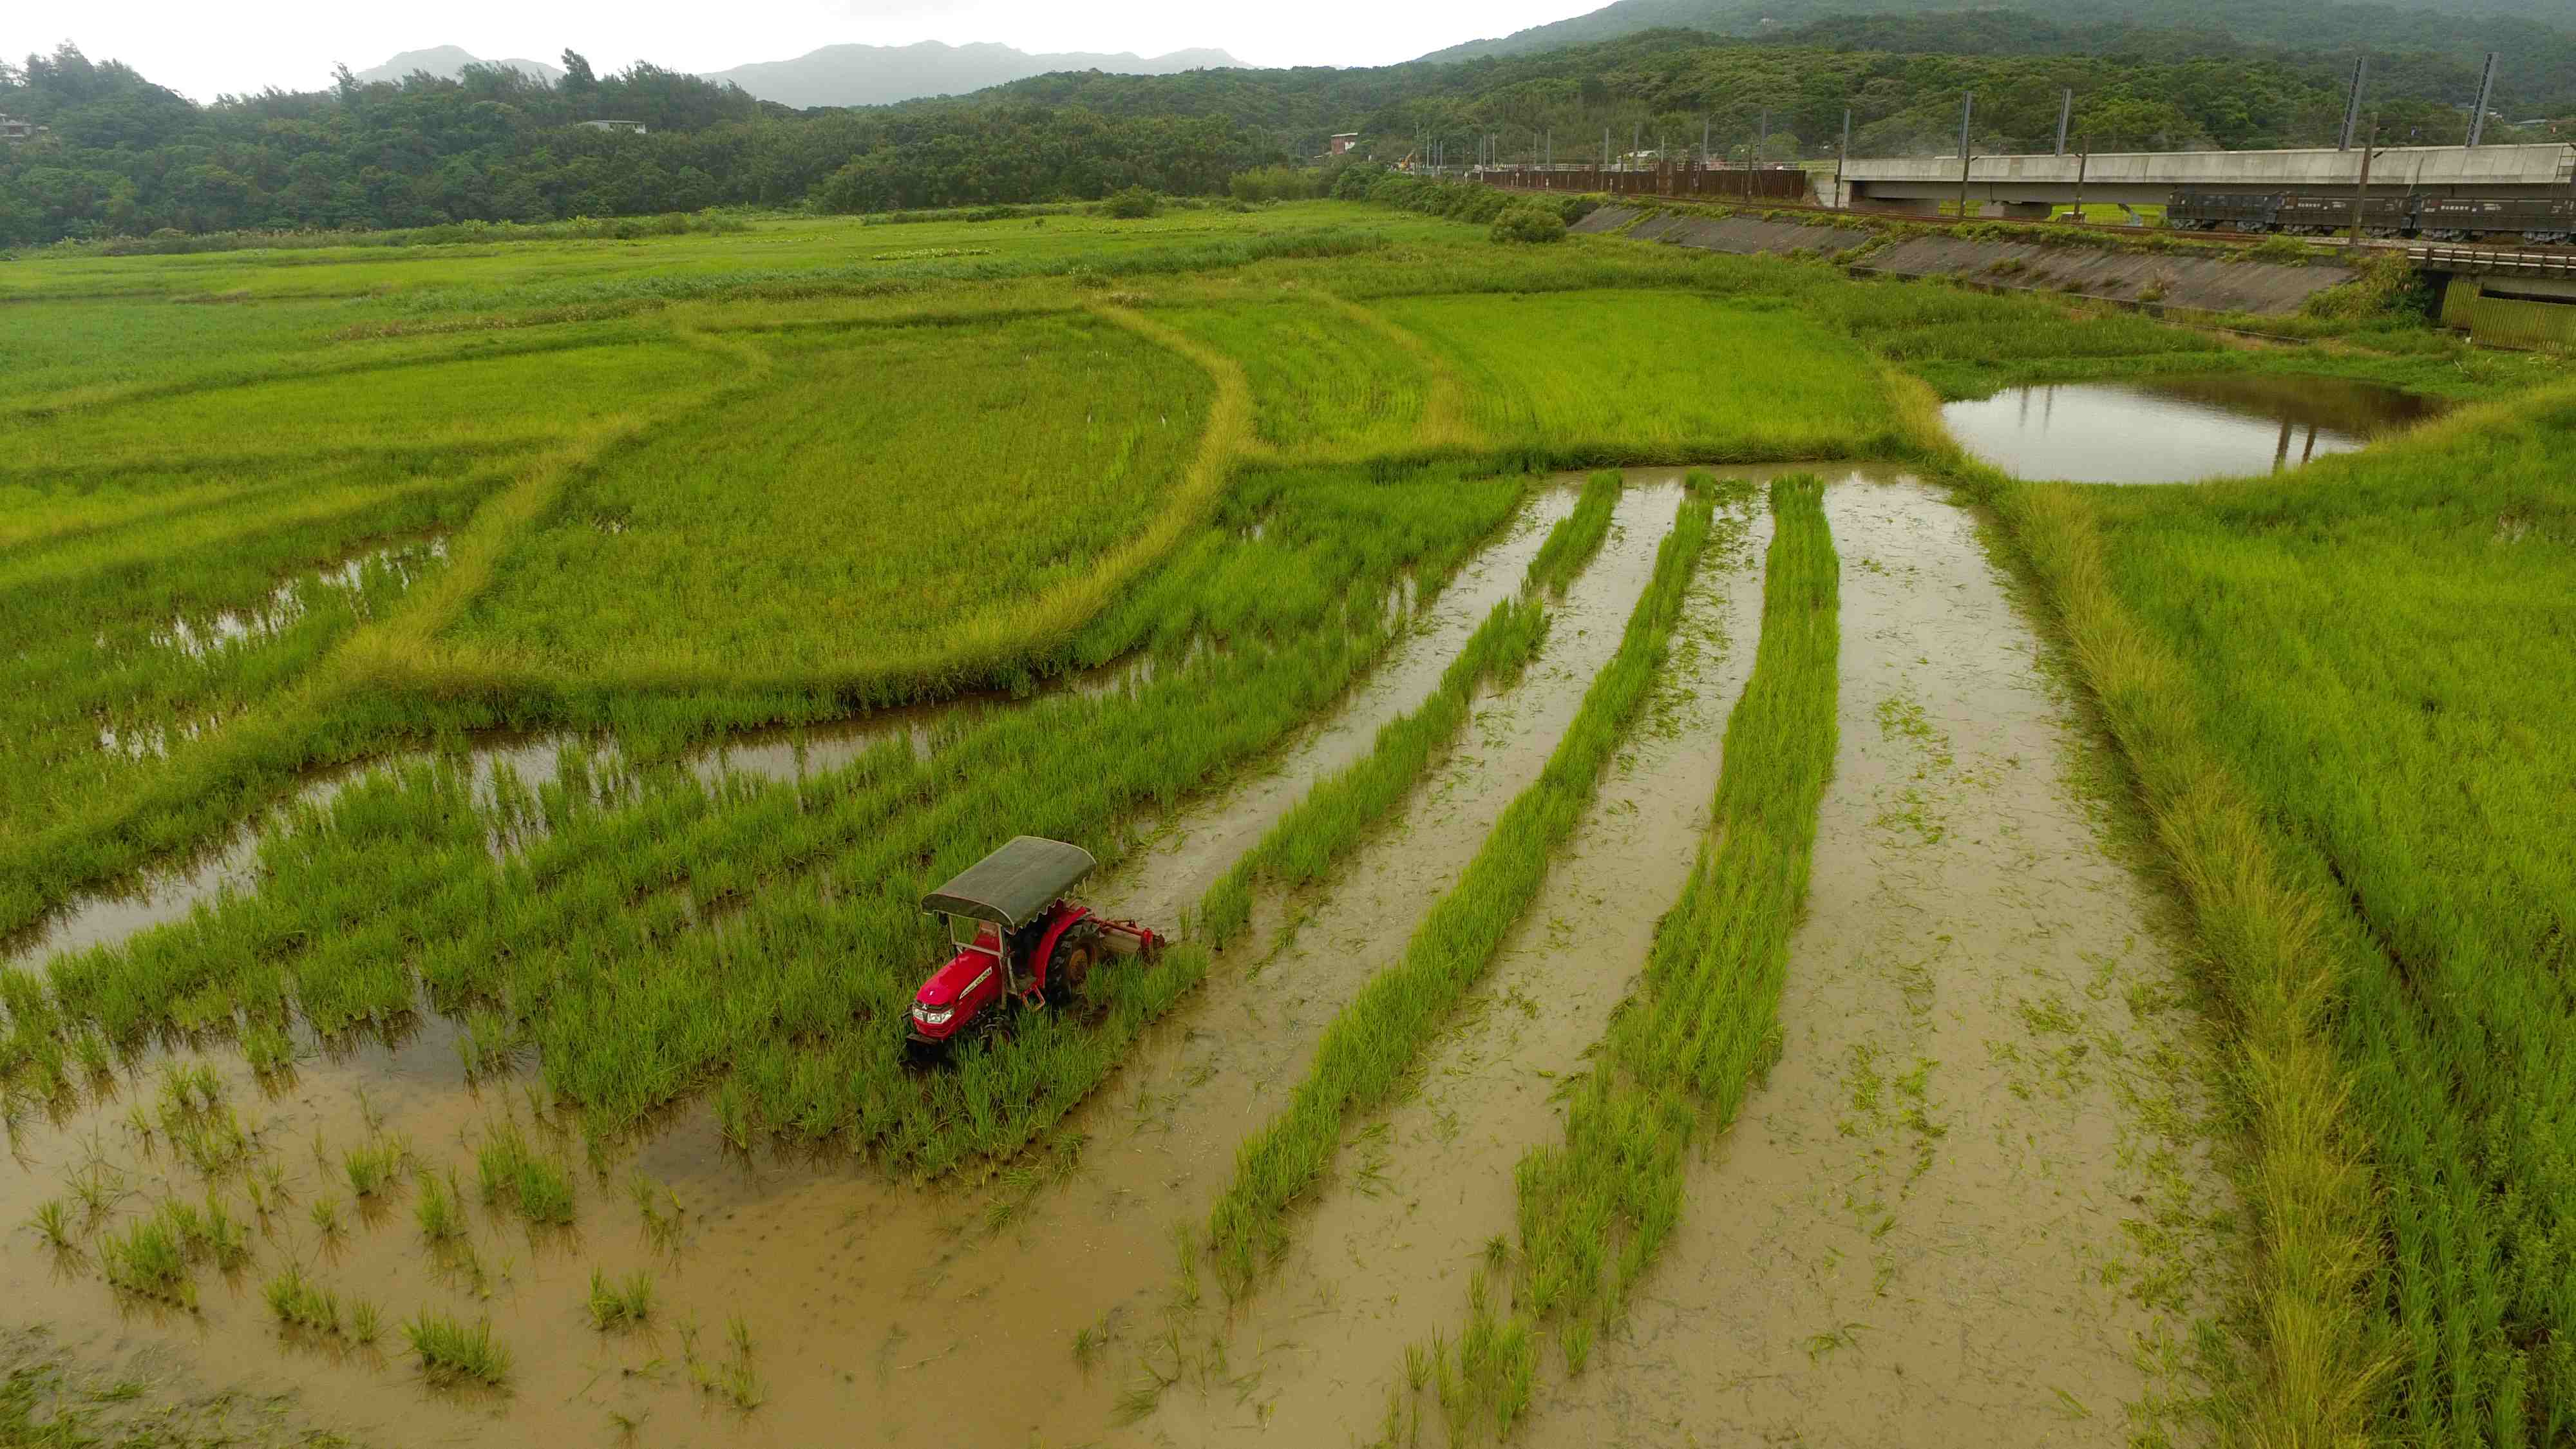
[2218, 282]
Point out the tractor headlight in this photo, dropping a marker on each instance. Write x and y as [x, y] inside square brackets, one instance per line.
[932, 1015]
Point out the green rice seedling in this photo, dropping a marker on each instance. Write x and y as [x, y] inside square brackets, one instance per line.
[1682, 1057]
[1573, 543]
[365, 1322]
[99, 1187]
[516, 1174]
[298, 1302]
[53, 1223]
[97, 1061]
[623, 1304]
[441, 1216]
[268, 1047]
[449, 1350]
[150, 1259]
[326, 1216]
[211, 1141]
[375, 1168]
[1371, 1044]
[224, 1237]
[659, 1208]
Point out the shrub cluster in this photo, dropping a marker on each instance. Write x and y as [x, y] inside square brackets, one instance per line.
[1529, 222]
[1132, 203]
[1277, 183]
[1532, 218]
[169, 241]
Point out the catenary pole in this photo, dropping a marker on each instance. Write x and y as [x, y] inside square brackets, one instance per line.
[2486, 92]
[1967, 111]
[2352, 103]
[1840, 200]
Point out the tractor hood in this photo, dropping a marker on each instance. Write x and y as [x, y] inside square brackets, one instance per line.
[950, 982]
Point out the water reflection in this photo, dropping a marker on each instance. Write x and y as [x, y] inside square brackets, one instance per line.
[2176, 430]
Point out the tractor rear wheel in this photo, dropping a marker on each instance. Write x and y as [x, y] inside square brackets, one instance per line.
[1072, 967]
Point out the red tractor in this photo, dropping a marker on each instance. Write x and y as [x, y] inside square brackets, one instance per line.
[1016, 936]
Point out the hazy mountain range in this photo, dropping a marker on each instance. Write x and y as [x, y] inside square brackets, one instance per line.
[444, 61]
[2447, 26]
[868, 75]
[855, 75]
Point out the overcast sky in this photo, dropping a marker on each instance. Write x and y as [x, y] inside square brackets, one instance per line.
[200, 49]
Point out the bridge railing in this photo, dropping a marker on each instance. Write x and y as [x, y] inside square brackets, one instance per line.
[1709, 181]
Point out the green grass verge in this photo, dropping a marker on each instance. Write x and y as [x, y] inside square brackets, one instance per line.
[1373, 1043]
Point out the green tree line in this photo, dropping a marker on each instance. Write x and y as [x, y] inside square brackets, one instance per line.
[125, 157]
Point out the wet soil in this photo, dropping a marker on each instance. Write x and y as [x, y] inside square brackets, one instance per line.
[169, 892]
[1383, 1259]
[878, 1311]
[2176, 430]
[1971, 1203]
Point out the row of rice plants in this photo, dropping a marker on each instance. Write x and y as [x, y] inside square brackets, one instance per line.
[829, 523]
[1364, 1054]
[1682, 1051]
[350, 703]
[2344, 701]
[1310, 839]
[1573, 378]
[586, 940]
[1324, 390]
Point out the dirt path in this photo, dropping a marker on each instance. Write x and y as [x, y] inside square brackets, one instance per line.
[1969, 1203]
[879, 1312]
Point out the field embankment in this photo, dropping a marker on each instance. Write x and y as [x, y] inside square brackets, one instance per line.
[2340, 699]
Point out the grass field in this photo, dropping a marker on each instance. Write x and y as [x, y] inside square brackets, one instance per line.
[1131, 514]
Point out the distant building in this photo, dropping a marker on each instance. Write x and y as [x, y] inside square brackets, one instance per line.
[1342, 143]
[632, 128]
[13, 130]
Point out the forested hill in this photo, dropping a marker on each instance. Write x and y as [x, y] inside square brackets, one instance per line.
[2537, 38]
[2162, 90]
[125, 157]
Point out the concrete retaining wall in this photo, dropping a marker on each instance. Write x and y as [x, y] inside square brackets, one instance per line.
[2201, 283]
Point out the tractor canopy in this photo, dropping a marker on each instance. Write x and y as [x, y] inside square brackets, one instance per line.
[1015, 884]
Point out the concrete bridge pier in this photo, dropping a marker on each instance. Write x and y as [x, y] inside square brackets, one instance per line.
[2016, 210]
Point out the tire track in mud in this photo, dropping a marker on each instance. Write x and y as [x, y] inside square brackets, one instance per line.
[1382, 1260]
[868, 1298]
[1973, 1200]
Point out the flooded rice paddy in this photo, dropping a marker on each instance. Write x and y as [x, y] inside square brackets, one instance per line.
[1970, 1203]
[1964, 1204]
[2178, 430]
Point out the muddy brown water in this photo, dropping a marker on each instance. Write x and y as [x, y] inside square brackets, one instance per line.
[1382, 1259]
[1972, 1201]
[2177, 430]
[879, 1311]
[1990, 1242]
[169, 891]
